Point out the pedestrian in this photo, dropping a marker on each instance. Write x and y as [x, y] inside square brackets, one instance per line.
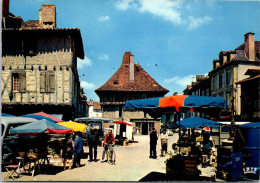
[92, 140]
[67, 150]
[108, 141]
[164, 142]
[78, 150]
[153, 143]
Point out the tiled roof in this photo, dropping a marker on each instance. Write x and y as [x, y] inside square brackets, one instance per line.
[143, 82]
[96, 105]
[30, 24]
[257, 46]
[240, 50]
[248, 79]
[240, 55]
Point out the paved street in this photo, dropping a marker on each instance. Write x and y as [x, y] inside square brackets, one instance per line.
[132, 164]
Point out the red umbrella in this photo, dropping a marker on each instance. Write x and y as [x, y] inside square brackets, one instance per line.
[42, 115]
[122, 122]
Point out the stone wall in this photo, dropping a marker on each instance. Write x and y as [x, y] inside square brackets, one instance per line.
[53, 53]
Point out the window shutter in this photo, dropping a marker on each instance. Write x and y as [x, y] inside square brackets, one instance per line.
[22, 82]
[42, 82]
[51, 81]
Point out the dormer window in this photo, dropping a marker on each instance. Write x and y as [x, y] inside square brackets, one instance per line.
[47, 23]
[115, 82]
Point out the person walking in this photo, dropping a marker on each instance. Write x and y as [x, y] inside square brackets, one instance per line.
[164, 142]
[92, 140]
[108, 141]
[78, 150]
[153, 143]
[67, 150]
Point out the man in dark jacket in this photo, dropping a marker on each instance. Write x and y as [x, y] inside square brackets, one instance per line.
[153, 143]
[78, 150]
[92, 139]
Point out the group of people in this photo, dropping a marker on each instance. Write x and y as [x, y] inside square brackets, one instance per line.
[72, 148]
[153, 143]
[93, 142]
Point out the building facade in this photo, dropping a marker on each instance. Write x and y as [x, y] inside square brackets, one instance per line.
[250, 92]
[129, 82]
[39, 67]
[94, 109]
[231, 68]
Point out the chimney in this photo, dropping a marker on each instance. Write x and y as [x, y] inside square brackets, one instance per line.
[224, 59]
[5, 8]
[47, 16]
[216, 64]
[250, 46]
[131, 68]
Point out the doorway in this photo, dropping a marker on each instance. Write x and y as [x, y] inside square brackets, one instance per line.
[144, 128]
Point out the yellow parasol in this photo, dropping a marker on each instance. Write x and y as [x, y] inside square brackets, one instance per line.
[77, 127]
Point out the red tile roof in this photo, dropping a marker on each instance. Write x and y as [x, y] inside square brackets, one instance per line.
[96, 105]
[143, 82]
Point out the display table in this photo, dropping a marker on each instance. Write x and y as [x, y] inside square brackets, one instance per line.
[182, 166]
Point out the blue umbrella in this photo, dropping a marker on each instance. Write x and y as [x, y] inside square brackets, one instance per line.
[175, 125]
[251, 125]
[41, 126]
[195, 122]
[7, 115]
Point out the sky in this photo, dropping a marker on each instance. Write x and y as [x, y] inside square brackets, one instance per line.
[173, 40]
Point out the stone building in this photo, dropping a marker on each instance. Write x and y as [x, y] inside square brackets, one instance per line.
[201, 87]
[94, 109]
[129, 82]
[39, 66]
[231, 68]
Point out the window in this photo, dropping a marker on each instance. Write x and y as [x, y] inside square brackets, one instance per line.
[18, 81]
[228, 99]
[214, 83]
[30, 46]
[47, 81]
[220, 81]
[207, 92]
[228, 78]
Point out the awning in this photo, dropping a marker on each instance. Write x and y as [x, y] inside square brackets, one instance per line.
[177, 102]
[123, 122]
[251, 125]
[195, 122]
[41, 126]
[77, 127]
[42, 115]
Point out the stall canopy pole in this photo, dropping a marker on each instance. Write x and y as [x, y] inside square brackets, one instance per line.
[179, 118]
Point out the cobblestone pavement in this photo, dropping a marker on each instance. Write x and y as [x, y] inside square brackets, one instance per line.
[132, 164]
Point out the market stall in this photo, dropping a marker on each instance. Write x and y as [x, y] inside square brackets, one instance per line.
[42, 115]
[34, 141]
[76, 127]
[179, 104]
[123, 131]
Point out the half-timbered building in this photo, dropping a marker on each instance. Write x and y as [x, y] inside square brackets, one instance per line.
[39, 67]
[129, 82]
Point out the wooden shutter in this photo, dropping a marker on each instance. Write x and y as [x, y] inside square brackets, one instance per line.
[42, 81]
[51, 81]
[22, 82]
